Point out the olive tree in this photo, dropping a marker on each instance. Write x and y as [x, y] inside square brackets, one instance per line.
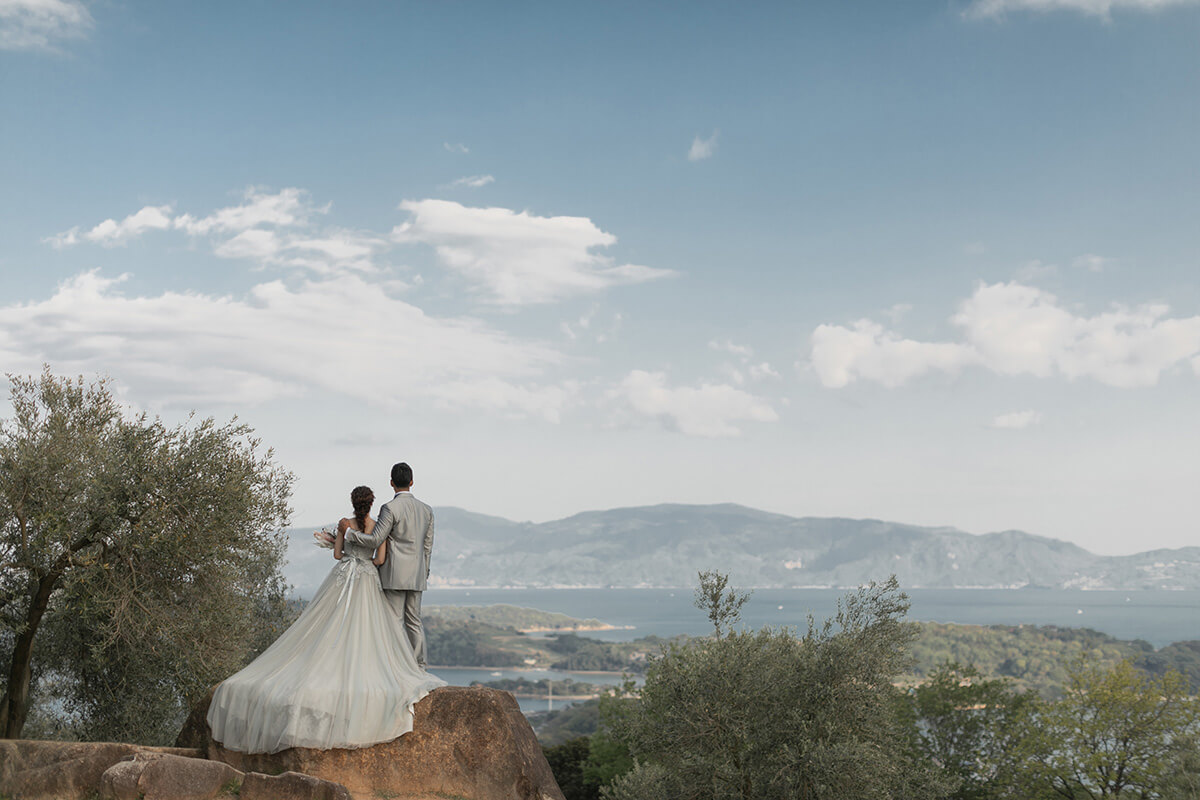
[764, 714]
[1115, 733]
[139, 563]
[969, 726]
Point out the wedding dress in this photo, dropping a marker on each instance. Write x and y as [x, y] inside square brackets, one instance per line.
[343, 675]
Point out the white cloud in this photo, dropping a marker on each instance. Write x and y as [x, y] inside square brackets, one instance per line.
[474, 181]
[271, 228]
[188, 349]
[1035, 270]
[457, 147]
[1092, 262]
[286, 208]
[982, 9]
[516, 258]
[110, 232]
[703, 148]
[865, 350]
[41, 24]
[748, 369]
[1013, 329]
[1016, 420]
[729, 347]
[761, 371]
[519, 258]
[898, 312]
[709, 410]
[335, 252]
[255, 244]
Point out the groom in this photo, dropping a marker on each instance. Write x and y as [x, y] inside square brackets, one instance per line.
[407, 524]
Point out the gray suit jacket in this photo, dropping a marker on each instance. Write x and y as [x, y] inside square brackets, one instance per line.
[407, 524]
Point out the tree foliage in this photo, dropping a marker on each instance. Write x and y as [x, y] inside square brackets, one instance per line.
[764, 714]
[139, 563]
[722, 603]
[567, 761]
[968, 726]
[1115, 733]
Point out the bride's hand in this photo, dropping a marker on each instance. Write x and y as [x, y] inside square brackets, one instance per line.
[324, 539]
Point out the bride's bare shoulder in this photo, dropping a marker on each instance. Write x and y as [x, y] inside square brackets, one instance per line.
[369, 525]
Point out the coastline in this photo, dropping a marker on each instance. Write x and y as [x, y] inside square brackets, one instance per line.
[526, 668]
[576, 628]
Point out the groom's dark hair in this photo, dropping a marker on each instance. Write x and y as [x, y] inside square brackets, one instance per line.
[402, 474]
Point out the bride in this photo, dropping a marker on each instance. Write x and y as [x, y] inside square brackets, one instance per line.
[343, 675]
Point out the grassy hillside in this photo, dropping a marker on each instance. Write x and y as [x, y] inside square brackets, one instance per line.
[1033, 657]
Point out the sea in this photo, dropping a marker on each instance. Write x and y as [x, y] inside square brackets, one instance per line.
[1158, 617]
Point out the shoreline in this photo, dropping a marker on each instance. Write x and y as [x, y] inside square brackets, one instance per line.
[527, 668]
[576, 628]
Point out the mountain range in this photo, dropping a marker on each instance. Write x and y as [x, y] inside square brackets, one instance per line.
[666, 545]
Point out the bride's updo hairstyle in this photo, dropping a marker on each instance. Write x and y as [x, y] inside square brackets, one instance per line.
[362, 498]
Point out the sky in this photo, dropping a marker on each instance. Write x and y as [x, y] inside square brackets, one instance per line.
[929, 262]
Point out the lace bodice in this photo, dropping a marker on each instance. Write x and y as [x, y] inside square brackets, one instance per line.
[359, 551]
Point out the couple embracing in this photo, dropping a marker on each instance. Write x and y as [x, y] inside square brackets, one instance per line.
[347, 673]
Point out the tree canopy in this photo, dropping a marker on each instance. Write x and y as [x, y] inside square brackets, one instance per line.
[764, 714]
[139, 563]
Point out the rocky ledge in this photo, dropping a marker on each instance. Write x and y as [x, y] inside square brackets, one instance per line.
[85, 770]
[466, 742]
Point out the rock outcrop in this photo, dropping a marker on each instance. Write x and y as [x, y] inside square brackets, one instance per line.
[87, 770]
[162, 776]
[32, 770]
[159, 776]
[471, 743]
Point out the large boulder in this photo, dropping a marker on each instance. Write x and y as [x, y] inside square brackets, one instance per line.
[161, 776]
[471, 743]
[158, 776]
[32, 770]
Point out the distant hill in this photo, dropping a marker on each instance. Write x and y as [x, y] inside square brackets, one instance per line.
[665, 545]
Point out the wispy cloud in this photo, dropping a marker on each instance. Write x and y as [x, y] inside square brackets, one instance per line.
[761, 371]
[1092, 262]
[187, 349]
[269, 228]
[1035, 270]
[474, 181]
[517, 258]
[729, 347]
[285, 208]
[703, 148]
[746, 368]
[456, 147]
[1016, 420]
[111, 233]
[41, 24]
[1015, 329]
[513, 258]
[709, 410]
[993, 9]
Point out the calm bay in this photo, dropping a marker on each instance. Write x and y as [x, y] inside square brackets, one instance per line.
[1159, 617]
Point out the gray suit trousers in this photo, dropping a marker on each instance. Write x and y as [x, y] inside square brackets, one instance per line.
[406, 605]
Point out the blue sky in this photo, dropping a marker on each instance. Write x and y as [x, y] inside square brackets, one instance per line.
[927, 262]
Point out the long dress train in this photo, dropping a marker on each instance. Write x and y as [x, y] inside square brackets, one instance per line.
[343, 675]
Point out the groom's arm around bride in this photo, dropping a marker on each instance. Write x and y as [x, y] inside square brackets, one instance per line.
[407, 525]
